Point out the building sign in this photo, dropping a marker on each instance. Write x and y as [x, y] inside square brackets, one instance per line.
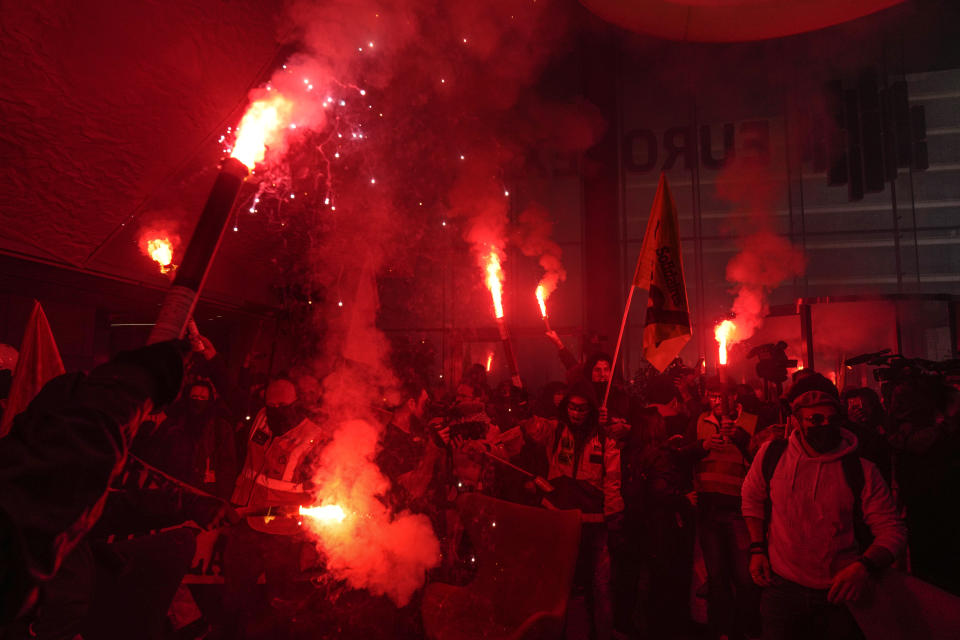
[646, 150]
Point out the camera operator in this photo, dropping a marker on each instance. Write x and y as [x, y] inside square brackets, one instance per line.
[473, 435]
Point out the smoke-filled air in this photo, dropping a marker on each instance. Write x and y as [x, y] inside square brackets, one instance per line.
[387, 119]
[765, 259]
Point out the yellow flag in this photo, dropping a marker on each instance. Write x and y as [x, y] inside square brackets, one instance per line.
[660, 273]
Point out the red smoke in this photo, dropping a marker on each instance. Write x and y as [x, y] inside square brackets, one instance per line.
[532, 236]
[765, 261]
[418, 109]
[387, 554]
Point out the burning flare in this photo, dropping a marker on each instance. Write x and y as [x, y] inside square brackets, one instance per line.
[495, 282]
[542, 300]
[161, 250]
[489, 360]
[327, 514]
[261, 125]
[723, 334]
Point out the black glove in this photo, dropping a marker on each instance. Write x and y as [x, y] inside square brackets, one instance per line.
[163, 362]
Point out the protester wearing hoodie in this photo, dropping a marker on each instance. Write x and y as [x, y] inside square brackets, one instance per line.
[807, 553]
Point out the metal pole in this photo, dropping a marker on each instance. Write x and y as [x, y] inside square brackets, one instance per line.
[806, 331]
[616, 353]
[508, 352]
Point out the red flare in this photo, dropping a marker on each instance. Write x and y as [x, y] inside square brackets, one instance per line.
[723, 334]
[327, 514]
[260, 127]
[542, 300]
[161, 250]
[495, 282]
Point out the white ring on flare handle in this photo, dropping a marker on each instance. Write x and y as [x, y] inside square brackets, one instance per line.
[731, 20]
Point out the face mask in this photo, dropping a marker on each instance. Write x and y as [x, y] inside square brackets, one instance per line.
[823, 438]
[283, 418]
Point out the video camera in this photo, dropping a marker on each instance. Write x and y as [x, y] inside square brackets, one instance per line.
[772, 362]
[893, 367]
[453, 415]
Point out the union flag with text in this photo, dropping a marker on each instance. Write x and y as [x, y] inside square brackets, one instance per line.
[660, 272]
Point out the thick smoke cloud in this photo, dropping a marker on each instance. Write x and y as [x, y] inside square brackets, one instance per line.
[764, 262]
[403, 113]
[765, 259]
[387, 554]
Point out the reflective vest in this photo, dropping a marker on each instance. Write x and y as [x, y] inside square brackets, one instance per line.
[274, 471]
[598, 464]
[723, 469]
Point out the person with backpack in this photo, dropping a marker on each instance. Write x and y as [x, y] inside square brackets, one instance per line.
[821, 521]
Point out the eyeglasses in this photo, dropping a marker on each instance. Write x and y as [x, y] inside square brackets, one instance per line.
[578, 407]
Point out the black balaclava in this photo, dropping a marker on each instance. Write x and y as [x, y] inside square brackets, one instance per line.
[282, 418]
[824, 437]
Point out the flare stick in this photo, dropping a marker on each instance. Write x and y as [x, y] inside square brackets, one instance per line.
[182, 297]
[508, 352]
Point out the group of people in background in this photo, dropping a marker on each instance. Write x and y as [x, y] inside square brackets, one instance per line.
[791, 505]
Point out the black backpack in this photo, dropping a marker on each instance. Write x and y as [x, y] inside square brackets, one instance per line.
[852, 472]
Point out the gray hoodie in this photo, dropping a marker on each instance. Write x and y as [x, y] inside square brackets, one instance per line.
[811, 529]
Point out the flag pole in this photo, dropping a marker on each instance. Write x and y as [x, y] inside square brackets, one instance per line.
[616, 352]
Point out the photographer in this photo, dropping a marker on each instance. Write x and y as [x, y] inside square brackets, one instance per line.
[472, 435]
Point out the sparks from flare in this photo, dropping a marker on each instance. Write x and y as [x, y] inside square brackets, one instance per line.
[161, 250]
[327, 514]
[723, 333]
[495, 282]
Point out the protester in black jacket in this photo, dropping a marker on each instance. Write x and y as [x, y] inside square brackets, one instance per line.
[61, 455]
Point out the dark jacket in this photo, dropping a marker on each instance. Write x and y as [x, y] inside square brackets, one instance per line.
[60, 457]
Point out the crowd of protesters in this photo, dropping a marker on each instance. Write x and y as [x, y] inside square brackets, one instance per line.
[775, 512]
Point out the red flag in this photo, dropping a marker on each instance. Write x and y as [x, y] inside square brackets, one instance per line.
[39, 362]
[660, 272]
